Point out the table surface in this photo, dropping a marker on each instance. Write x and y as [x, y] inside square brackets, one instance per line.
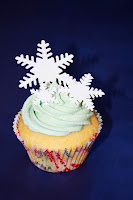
[100, 35]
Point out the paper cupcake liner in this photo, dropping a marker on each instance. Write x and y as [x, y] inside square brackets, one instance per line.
[57, 161]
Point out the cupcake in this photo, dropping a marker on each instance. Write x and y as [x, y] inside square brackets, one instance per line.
[57, 124]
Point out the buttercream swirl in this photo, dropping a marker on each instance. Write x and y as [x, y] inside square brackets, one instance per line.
[57, 119]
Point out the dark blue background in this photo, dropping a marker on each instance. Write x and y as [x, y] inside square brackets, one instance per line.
[100, 35]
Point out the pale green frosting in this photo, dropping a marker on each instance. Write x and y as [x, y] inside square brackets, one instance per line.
[56, 119]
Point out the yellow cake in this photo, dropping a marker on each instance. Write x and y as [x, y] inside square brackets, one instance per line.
[70, 141]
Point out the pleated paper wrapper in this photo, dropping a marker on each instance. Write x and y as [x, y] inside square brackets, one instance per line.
[61, 160]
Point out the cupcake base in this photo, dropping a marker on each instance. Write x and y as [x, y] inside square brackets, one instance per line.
[61, 161]
[57, 161]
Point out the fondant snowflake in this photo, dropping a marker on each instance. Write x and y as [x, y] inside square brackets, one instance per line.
[80, 92]
[45, 94]
[45, 68]
[50, 70]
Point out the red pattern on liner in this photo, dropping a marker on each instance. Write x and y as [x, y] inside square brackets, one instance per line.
[61, 160]
[75, 165]
[51, 157]
[94, 136]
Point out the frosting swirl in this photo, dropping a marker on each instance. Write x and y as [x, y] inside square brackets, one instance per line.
[57, 119]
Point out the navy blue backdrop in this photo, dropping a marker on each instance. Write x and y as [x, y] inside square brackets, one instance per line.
[100, 35]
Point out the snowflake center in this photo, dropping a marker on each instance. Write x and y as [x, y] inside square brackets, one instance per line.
[46, 70]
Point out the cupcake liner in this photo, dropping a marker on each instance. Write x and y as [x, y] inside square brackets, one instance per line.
[57, 161]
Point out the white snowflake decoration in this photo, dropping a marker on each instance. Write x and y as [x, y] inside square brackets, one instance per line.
[45, 68]
[80, 92]
[49, 70]
[44, 95]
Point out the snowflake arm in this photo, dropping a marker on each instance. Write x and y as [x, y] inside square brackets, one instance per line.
[28, 80]
[95, 92]
[25, 61]
[33, 91]
[43, 50]
[66, 79]
[88, 104]
[86, 79]
[64, 60]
